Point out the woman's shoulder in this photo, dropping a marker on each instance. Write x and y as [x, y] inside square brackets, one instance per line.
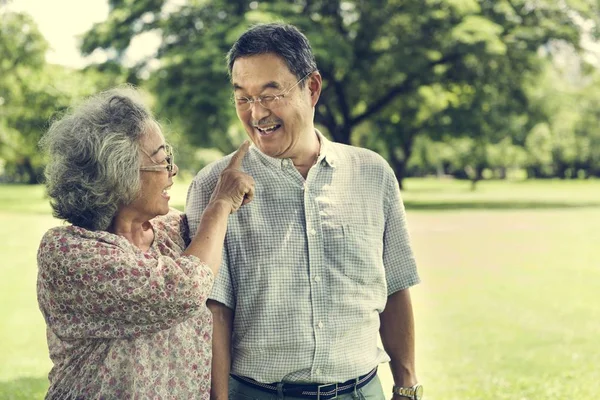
[174, 224]
[72, 247]
[173, 219]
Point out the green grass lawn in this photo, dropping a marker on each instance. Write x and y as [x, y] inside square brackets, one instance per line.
[506, 310]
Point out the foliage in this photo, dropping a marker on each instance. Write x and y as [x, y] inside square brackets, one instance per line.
[32, 92]
[21, 103]
[566, 138]
[405, 68]
[191, 83]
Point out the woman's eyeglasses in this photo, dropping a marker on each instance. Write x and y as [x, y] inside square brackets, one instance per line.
[169, 159]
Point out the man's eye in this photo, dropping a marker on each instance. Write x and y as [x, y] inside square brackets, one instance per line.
[242, 100]
[268, 99]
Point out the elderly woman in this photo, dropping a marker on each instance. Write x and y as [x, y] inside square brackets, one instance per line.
[123, 288]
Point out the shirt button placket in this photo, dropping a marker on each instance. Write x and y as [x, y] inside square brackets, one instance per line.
[318, 294]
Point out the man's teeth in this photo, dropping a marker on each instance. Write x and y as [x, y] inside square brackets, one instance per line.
[268, 129]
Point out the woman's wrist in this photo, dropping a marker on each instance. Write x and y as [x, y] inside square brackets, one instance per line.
[219, 204]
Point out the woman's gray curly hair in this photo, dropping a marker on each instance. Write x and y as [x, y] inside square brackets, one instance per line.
[94, 160]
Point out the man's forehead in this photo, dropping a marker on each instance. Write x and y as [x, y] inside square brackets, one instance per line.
[260, 70]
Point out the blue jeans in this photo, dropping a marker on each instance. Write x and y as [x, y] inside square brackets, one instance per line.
[241, 391]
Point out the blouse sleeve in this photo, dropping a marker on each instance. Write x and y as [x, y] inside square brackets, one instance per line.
[96, 285]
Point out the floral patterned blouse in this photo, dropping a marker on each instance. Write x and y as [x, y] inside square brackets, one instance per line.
[123, 323]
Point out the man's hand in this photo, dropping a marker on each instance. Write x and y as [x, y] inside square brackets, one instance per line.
[234, 186]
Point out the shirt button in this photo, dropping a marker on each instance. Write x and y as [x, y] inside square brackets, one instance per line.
[318, 371]
[317, 278]
[320, 324]
[313, 232]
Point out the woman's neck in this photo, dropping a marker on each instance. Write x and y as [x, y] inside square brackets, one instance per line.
[138, 232]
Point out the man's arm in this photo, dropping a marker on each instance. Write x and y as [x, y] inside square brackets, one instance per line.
[221, 357]
[398, 337]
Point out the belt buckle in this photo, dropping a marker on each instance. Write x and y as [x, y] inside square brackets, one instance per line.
[327, 384]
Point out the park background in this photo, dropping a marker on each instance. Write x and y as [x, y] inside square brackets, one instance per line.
[486, 110]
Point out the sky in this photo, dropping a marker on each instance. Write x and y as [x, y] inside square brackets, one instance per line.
[62, 22]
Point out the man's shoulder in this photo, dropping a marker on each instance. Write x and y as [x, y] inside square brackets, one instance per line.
[213, 170]
[210, 173]
[359, 155]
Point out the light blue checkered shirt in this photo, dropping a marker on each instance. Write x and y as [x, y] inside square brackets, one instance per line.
[308, 265]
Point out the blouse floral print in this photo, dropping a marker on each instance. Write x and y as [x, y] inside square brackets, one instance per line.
[123, 323]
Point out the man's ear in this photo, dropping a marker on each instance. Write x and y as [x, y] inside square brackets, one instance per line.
[315, 82]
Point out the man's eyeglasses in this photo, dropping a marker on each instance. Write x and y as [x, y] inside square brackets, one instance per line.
[270, 102]
[169, 167]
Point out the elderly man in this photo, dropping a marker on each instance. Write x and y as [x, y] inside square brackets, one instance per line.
[320, 262]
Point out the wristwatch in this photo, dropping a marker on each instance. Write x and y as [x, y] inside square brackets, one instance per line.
[413, 393]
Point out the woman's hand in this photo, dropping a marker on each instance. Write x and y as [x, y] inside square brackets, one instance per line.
[234, 186]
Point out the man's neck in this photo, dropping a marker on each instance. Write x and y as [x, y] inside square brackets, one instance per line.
[308, 157]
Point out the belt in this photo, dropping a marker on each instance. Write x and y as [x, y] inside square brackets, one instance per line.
[308, 390]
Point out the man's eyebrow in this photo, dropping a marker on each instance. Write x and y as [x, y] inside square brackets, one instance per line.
[268, 85]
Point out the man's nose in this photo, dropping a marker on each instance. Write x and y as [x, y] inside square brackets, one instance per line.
[258, 111]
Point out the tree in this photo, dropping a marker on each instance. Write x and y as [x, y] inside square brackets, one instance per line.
[31, 93]
[23, 49]
[191, 81]
[564, 103]
[376, 58]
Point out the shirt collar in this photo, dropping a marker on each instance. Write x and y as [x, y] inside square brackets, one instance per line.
[326, 155]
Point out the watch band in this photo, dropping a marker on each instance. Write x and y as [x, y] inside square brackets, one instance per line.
[413, 393]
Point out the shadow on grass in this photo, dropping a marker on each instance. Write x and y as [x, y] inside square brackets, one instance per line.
[427, 206]
[493, 205]
[26, 388]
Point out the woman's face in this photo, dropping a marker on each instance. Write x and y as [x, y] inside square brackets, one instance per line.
[155, 178]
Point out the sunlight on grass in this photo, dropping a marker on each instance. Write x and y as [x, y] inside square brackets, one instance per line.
[506, 310]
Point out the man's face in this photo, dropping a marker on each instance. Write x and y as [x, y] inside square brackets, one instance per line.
[283, 130]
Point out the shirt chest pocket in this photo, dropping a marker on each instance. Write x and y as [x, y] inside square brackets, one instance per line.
[355, 250]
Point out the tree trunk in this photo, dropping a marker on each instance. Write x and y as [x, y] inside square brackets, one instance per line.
[341, 133]
[29, 172]
[477, 176]
[399, 167]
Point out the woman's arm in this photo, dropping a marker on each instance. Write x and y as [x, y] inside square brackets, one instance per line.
[233, 189]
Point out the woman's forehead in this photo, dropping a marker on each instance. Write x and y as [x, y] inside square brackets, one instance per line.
[153, 137]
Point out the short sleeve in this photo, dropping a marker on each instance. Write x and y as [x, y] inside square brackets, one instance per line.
[198, 196]
[223, 290]
[398, 258]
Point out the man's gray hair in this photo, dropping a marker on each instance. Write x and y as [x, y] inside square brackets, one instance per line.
[283, 40]
[93, 157]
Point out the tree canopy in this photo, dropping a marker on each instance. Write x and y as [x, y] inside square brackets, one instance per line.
[473, 74]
